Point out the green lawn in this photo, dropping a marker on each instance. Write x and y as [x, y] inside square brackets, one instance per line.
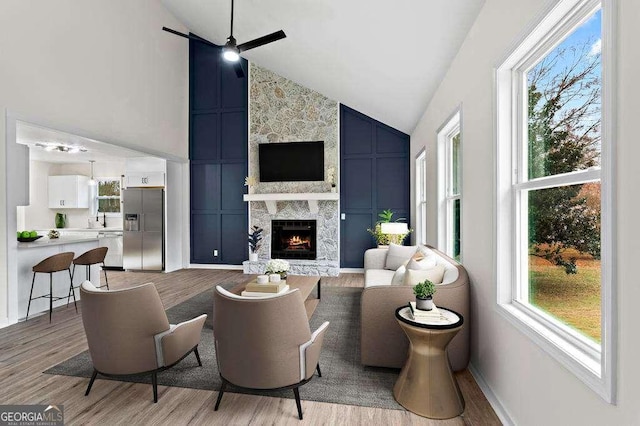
[575, 298]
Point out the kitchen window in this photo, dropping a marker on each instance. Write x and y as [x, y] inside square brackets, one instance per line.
[109, 195]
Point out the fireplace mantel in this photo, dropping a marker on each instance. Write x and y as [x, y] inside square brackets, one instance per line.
[311, 198]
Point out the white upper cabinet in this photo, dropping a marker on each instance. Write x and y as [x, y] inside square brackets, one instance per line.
[68, 192]
[155, 179]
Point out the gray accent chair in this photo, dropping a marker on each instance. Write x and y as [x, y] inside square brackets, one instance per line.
[265, 343]
[129, 334]
[382, 341]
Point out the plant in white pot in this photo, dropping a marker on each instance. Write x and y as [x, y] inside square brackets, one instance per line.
[424, 295]
[255, 238]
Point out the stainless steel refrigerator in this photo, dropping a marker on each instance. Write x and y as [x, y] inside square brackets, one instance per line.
[143, 227]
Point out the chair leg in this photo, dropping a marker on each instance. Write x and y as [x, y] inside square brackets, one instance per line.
[223, 387]
[195, 351]
[50, 295]
[154, 382]
[106, 280]
[93, 378]
[30, 295]
[297, 395]
[318, 370]
[73, 291]
[71, 288]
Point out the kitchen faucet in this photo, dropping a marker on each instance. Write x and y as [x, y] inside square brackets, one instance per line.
[104, 219]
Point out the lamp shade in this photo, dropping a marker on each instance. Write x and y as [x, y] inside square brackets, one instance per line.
[394, 228]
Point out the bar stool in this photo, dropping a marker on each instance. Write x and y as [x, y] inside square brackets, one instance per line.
[56, 263]
[88, 258]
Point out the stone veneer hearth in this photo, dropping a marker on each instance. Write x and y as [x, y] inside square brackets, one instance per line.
[283, 111]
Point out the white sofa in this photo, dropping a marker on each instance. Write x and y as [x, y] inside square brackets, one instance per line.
[383, 344]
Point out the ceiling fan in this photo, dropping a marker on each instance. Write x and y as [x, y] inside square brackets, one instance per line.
[231, 50]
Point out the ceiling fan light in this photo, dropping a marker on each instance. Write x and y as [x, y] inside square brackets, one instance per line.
[230, 54]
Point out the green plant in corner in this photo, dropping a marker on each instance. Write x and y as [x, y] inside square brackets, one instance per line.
[424, 289]
[386, 216]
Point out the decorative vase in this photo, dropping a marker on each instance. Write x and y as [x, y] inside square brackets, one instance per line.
[424, 304]
[253, 257]
[61, 220]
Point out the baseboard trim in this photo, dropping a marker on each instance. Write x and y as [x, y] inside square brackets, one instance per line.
[216, 266]
[352, 270]
[495, 403]
[4, 322]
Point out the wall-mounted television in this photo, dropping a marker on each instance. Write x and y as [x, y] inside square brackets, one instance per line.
[291, 161]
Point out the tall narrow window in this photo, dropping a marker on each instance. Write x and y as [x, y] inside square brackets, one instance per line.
[450, 182]
[421, 198]
[552, 222]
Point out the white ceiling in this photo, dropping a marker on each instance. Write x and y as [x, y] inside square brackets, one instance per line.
[383, 58]
[31, 134]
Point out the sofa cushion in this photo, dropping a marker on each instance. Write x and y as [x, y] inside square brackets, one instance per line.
[424, 263]
[373, 277]
[398, 276]
[415, 276]
[398, 255]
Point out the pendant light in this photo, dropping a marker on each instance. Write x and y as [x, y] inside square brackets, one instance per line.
[93, 193]
[92, 181]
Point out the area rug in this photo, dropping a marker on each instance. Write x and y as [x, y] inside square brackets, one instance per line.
[344, 380]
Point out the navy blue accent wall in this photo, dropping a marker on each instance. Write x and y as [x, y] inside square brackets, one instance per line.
[374, 176]
[218, 144]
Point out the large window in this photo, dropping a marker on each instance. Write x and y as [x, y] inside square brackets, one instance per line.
[554, 191]
[450, 187]
[421, 198]
[108, 195]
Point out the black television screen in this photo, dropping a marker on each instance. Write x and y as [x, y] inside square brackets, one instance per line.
[291, 161]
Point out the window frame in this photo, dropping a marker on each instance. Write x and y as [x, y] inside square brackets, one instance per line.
[445, 135]
[421, 197]
[108, 197]
[592, 363]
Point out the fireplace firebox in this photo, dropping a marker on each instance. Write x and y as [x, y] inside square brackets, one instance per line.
[293, 239]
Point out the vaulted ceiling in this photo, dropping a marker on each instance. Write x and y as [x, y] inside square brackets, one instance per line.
[383, 58]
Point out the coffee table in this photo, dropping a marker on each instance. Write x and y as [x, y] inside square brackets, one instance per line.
[305, 283]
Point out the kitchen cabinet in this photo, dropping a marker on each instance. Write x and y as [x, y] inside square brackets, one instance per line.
[68, 192]
[155, 179]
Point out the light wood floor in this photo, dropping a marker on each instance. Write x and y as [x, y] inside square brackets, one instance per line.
[28, 349]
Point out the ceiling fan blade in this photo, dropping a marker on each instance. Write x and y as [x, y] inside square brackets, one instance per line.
[237, 67]
[189, 36]
[261, 41]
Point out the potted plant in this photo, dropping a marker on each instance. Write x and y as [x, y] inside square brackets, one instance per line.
[424, 295]
[383, 239]
[255, 238]
[277, 266]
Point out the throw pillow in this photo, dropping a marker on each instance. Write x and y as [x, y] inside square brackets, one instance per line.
[397, 255]
[426, 263]
[398, 277]
[413, 277]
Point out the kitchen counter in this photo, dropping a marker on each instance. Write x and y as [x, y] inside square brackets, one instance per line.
[46, 241]
[30, 254]
[63, 230]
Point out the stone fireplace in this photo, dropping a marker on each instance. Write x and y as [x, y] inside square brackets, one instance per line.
[293, 239]
[283, 111]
